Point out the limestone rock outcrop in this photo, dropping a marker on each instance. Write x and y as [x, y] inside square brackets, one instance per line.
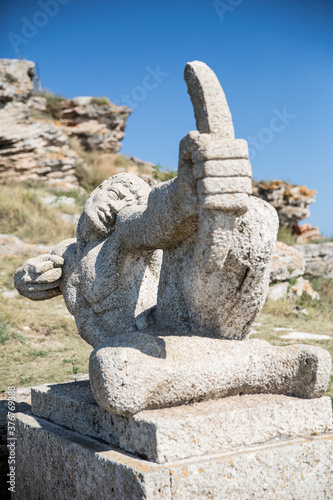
[288, 262]
[34, 149]
[318, 258]
[97, 123]
[287, 270]
[16, 79]
[291, 202]
[35, 140]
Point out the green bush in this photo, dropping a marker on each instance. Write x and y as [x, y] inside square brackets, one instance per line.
[100, 101]
[285, 236]
[163, 175]
[54, 105]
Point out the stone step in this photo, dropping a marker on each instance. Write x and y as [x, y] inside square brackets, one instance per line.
[54, 463]
[184, 431]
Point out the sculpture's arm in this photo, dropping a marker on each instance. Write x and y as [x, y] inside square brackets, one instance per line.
[212, 188]
[40, 277]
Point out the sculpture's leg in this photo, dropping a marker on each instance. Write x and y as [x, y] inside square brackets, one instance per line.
[145, 372]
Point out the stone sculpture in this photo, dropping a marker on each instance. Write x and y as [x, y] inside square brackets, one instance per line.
[165, 284]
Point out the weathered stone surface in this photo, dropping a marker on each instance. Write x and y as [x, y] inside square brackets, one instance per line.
[53, 463]
[306, 233]
[184, 431]
[222, 168]
[233, 202]
[223, 288]
[168, 334]
[185, 369]
[291, 202]
[221, 150]
[217, 244]
[16, 79]
[46, 276]
[99, 127]
[287, 262]
[318, 258]
[121, 226]
[225, 185]
[34, 140]
[31, 149]
[297, 469]
[210, 106]
[37, 103]
[278, 291]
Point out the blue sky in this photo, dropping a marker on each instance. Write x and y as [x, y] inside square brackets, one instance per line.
[272, 57]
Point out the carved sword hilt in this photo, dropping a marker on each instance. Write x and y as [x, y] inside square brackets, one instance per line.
[220, 165]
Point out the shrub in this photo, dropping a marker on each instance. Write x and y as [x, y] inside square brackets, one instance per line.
[54, 104]
[285, 236]
[163, 175]
[100, 101]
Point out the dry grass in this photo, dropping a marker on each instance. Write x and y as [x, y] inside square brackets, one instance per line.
[319, 320]
[43, 344]
[100, 101]
[23, 214]
[94, 167]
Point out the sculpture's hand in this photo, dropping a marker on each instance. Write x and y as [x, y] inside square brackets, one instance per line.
[220, 170]
[39, 278]
[220, 163]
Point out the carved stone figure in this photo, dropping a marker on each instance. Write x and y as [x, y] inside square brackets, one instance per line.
[164, 283]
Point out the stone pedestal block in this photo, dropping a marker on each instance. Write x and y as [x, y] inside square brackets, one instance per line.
[251, 446]
[184, 431]
[55, 463]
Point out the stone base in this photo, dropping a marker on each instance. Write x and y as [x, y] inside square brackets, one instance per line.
[250, 446]
[184, 431]
[54, 463]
